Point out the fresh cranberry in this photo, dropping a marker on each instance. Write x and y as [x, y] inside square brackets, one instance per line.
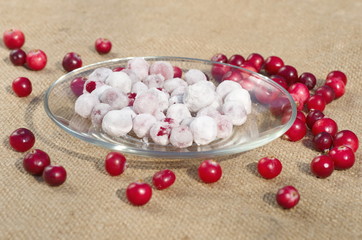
[301, 116]
[54, 175]
[22, 86]
[209, 171]
[342, 156]
[325, 125]
[346, 138]
[77, 85]
[163, 179]
[139, 193]
[338, 87]
[219, 58]
[103, 45]
[322, 166]
[301, 90]
[296, 132]
[256, 60]
[13, 38]
[287, 197]
[323, 141]
[117, 69]
[177, 72]
[36, 60]
[71, 61]
[337, 75]
[17, 57]
[326, 92]
[272, 65]
[35, 161]
[280, 80]
[308, 79]
[248, 66]
[115, 163]
[232, 75]
[265, 94]
[316, 102]
[22, 139]
[218, 71]
[280, 106]
[90, 86]
[236, 60]
[131, 98]
[269, 167]
[289, 73]
[313, 116]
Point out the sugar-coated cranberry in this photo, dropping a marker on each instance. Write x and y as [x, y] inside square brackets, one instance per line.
[289, 73]
[17, 57]
[301, 90]
[323, 141]
[322, 166]
[308, 79]
[326, 92]
[209, 171]
[232, 75]
[280, 80]
[22, 139]
[296, 132]
[115, 163]
[36, 60]
[219, 70]
[316, 102]
[346, 138]
[343, 157]
[272, 65]
[35, 161]
[103, 45]
[287, 197]
[22, 86]
[54, 175]
[236, 60]
[77, 85]
[163, 179]
[139, 193]
[256, 60]
[71, 61]
[131, 98]
[219, 57]
[13, 38]
[177, 72]
[313, 116]
[117, 69]
[337, 75]
[269, 167]
[325, 125]
[338, 87]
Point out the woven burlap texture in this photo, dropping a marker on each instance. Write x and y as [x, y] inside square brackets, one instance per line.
[313, 36]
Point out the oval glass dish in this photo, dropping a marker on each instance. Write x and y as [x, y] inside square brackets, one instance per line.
[273, 112]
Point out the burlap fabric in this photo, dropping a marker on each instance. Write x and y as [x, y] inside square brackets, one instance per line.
[313, 36]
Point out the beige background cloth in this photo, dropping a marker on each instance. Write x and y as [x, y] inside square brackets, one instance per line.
[313, 36]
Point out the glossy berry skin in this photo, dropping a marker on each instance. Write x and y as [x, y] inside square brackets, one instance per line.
[308, 79]
[71, 61]
[316, 102]
[272, 65]
[337, 75]
[343, 157]
[22, 139]
[322, 166]
[323, 141]
[312, 117]
[338, 87]
[22, 86]
[219, 57]
[77, 85]
[296, 132]
[256, 60]
[325, 125]
[326, 92]
[115, 163]
[35, 161]
[236, 60]
[103, 45]
[269, 167]
[139, 193]
[209, 171]
[300, 90]
[287, 197]
[17, 57]
[36, 60]
[163, 179]
[289, 73]
[13, 38]
[280, 80]
[177, 72]
[346, 138]
[54, 175]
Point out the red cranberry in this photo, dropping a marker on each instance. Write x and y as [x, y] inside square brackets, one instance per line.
[325, 125]
[117, 69]
[265, 94]
[71, 61]
[300, 90]
[296, 132]
[272, 65]
[256, 60]
[326, 92]
[22, 86]
[301, 116]
[280, 80]
[337, 75]
[163, 179]
[232, 75]
[308, 79]
[322, 166]
[338, 87]
[13, 38]
[177, 72]
[17, 57]
[139, 193]
[323, 141]
[22, 139]
[342, 156]
[54, 175]
[218, 71]
[289, 73]
[298, 102]
[313, 116]
[219, 58]
[287, 197]
[346, 138]
[209, 171]
[280, 106]
[77, 85]
[248, 66]
[103, 45]
[36, 60]
[115, 163]
[236, 60]
[90, 86]
[269, 167]
[316, 102]
[35, 161]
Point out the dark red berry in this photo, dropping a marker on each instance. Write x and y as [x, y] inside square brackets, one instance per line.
[280, 80]
[312, 117]
[269, 167]
[77, 85]
[13, 38]
[325, 125]
[139, 193]
[296, 132]
[343, 157]
[289, 73]
[36, 60]
[236, 60]
[300, 90]
[90, 86]
[163, 179]
[346, 138]
[22, 86]
[103, 45]
[22, 139]
[338, 87]
[326, 92]
[219, 58]
[54, 175]
[265, 94]
[17, 57]
[337, 75]
[308, 79]
[219, 70]
[323, 141]
[71, 61]
[287, 197]
[256, 60]
[177, 72]
[316, 102]
[115, 163]
[272, 65]
[35, 161]
[232, 75]
[322, 166]
[209, 171]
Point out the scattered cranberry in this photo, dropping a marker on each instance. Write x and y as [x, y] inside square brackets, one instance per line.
[103, 45]
[280, 80]
[71, 61]
[346, 138]
[337, 75]
[35, 161]
[54, 175]
[22, 86]
[308, 79]
[269, 167]
[296, 132]
[301, 90]
[90, 86]
[17, 57]
[272, 65]
[139, 193]
[342, 156]
[323, 141]
[22, 139]
[115, 163]
[322, 166]
[289, 73]
[177, 72]
[256, 60]
[163, 179]
[325, 125]
[210, 171]
[117, 69]
[77, 85]
[316, 102]
[312, 117]
[287, 197]
[338, 87]
[236, 60]
[219, 58]
[13, 38]
[36, 60]
[326, 92]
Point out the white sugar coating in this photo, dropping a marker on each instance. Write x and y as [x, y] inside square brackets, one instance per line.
[217, 103]
[159, 115]
[178, 91]
[176, 99]
[115, 98]
[225, 87]
[235, 111]
[130, 111]
[187, 121]
[163, 68]
[142, 124]
[98, 112]
[162, 98]
[170, 121]
[224, 126]
[171, 84]
[146, 102]
[117, 123]
[139, 66]
[193, 76]
[204, 130]
[85, 104]
[199, 95]
[154, 81]
[181, 137]
[241, 96]
[98, 85]
[132, 75]
[160, 132]
[178, 112]
[100, 74]
[208, 111]
[139, 87]
[99, 90]
[120, 80]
